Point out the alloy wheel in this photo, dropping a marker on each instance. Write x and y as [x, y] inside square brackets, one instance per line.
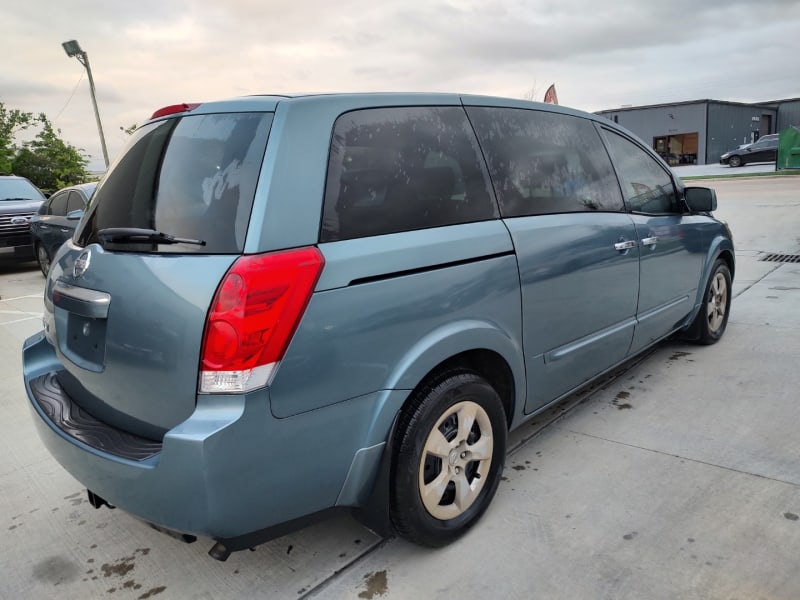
[455, 460]
[717, 302]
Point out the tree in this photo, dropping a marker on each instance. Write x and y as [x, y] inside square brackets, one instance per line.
[12, 121]
[530, 94]
[50, 162]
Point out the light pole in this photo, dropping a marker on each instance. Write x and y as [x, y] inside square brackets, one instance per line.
[73, 48]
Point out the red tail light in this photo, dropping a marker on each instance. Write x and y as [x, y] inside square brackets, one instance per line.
[173, 109]
[253, 317]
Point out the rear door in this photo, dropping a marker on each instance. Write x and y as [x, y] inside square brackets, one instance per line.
[127, 315]
[672, 243]
[576, 247]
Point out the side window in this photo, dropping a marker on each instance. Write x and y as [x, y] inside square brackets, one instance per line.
[58, 204]
[543, 162]
[75, 202]
[647, 187]
[44, 209]
[400, 169]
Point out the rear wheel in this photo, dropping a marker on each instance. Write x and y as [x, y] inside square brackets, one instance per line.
[735, 161]
[43, 258]
[450, 454]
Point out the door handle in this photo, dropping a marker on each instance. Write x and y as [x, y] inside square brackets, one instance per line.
[627, 245]
[649, 241]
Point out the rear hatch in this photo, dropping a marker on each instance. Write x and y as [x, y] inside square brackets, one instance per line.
[126, 303]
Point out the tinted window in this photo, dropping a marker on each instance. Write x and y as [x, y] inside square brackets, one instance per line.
[543, 162]
[399, 169]
[765, 143]
[58, 204]
[192, 177]
[646, 185]
[75, 202]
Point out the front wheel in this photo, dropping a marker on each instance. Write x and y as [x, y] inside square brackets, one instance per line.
[450, 453]
[712, 319]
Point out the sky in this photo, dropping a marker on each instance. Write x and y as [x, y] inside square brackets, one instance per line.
[146, 54]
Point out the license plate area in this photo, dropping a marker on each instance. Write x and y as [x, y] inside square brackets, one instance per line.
[81, 317]
[86, 341]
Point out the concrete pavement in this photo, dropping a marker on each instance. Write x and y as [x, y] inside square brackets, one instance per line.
[679, 479]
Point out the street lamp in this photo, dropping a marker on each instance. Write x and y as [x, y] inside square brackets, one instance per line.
[73, 48]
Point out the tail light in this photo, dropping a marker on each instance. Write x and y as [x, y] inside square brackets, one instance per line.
[173, 109]
[253, 317]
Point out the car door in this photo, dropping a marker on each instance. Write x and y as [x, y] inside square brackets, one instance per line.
[770, 150]
[50, 223]
[763, 150]
[576, 247]
[671, 241]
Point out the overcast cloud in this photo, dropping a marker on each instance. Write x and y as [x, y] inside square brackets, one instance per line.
[146, 54]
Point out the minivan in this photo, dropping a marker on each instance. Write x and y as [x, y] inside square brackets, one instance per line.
[279, 307]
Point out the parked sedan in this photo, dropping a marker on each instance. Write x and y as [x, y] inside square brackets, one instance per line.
[764, 150]
[56, 220]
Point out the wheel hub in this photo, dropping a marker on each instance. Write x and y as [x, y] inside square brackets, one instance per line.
[459, 458]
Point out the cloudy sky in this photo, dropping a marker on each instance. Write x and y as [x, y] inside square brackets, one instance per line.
[146, 54]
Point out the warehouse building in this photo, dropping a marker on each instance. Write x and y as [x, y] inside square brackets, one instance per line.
[699, 131]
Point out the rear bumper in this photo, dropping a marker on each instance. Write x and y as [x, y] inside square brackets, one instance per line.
[230, 469]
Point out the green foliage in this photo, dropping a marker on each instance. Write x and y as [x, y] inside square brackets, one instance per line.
[13, 121]
[128, 130]
[48, 161]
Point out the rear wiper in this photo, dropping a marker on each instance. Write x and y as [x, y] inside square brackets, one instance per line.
[133, 235]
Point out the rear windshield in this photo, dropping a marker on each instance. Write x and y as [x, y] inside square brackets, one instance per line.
[192, 177]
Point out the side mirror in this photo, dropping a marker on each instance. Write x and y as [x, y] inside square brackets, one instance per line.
[75, 215]
[700, 199]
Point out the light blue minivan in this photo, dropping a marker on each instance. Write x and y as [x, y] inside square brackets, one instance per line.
[276, 307]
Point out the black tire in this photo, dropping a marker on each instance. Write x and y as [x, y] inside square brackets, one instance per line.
[43, 259]
[712, 319]
[437, 421]
[735, 161]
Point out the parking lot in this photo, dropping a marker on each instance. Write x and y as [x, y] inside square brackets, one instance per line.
[678, 478]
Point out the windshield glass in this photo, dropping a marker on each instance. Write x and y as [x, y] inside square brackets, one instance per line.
[192, 177]
[18, 189]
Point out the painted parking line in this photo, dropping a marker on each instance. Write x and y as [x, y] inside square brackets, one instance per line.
[20, 320]
[21, 297]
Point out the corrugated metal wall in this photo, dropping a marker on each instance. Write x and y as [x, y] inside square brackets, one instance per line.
[789, 114]
[731, 125]
[657, 121]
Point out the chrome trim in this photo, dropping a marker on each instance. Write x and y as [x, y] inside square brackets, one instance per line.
[82, 301]
[625, 245]
[649, 241]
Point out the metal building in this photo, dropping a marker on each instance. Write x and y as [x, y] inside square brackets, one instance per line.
[699, 131]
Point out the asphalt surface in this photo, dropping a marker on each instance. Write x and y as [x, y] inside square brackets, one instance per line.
[678, 478]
